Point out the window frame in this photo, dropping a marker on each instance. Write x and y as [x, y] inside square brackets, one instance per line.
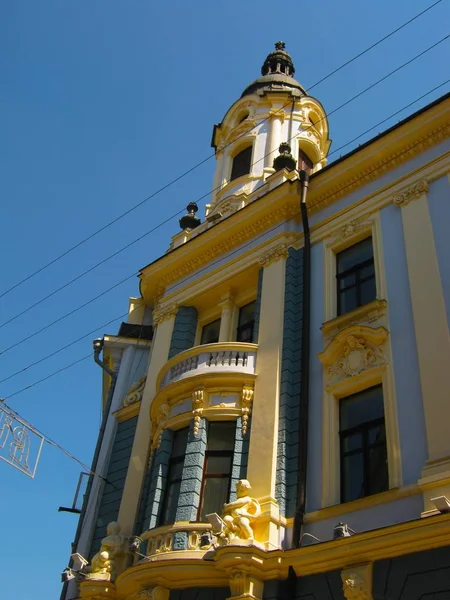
[239, 150]
[247, 324]
[206, 476]
[363, 429]
[356, 270]
[202, 327]
[172, 461]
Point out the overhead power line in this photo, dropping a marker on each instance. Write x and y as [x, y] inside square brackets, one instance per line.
[207, 158]
[350, 184]
[335, 110]
[400, 110]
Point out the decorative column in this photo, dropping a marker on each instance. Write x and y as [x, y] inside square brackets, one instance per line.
[163, 319]
[277, 116]
[432, 334]
[265, 410]
[357, 582]
[227, 305]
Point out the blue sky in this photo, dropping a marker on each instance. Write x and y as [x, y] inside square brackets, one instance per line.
[101, 103]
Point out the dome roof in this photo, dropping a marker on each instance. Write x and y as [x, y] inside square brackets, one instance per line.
[277, 74]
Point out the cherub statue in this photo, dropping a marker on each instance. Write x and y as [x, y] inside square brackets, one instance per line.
[239, 514]
[113, 546]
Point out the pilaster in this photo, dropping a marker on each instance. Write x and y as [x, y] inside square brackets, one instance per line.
[265, 411]
[227, 306]
[136, 468]
[432, 334]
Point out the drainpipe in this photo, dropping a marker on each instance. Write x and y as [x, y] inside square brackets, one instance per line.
[304, 387]
[98, 347]
[291, 124]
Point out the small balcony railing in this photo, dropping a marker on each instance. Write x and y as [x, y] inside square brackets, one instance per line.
[175, 538]
[229, 357]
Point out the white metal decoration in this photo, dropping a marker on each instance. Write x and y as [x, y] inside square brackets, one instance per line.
[20, 445]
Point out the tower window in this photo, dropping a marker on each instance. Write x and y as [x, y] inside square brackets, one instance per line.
[218, 466]
[364, 468]
[304, 162]
[210, 333]
[246, 323]
[175, 473]
[355, 273]
[241, 163]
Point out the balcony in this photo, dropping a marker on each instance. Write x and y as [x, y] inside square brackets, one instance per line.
[222, 358]
[179, 537]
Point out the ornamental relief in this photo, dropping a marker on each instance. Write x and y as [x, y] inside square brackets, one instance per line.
[353, 351]
[357, 582]
[135, 392]
[351, 229]
[411, 192]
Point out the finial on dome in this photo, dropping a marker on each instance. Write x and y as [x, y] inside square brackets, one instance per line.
[190, 220]
[278, 61]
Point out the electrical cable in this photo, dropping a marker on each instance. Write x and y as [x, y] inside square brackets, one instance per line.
[191, 169]
[124, 315]
[350, 184]
[136, 273]
[346, 103]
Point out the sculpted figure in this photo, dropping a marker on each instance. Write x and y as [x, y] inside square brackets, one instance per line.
[239, 514]
[112, 547]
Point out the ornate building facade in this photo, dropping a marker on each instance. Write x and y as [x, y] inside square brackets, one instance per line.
[276, 408]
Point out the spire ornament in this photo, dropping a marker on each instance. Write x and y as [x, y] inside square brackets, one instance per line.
[190, 219]
[284, 160]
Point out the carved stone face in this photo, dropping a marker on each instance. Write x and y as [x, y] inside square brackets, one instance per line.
[242, 487]
[113, 528]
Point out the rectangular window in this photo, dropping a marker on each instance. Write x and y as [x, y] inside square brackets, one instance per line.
[355, 273]
[364, 468]
[304, 162]
[174, 475]
[246, 323]
[210, 333]
[217, 470]
[242, 163]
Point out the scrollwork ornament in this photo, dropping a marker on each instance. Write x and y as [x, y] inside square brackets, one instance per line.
[162, 418]
[135, 392]
[273, 255]
[154, 593]
[352, 228]
[246, 402]
[161, 314]
[411, 193]
[197, 404]
[357, 582]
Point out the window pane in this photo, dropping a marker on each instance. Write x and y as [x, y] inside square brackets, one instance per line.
[352, 477]
[350, 257]
[210, 333]
[246, 313]
[176, 470]
[241, 163]
[347, 281]
[352, 442]
[361, 408]
[221, 435]
[173, 492]
[377, 476]
[377, 435]
[179, 442]
[245, 333]
[215, 495]
[218, 465]
[347, 301]
[367, 291]
[367, 272]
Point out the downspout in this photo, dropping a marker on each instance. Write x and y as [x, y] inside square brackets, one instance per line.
[291, 121]
[304, 386]
[98, 347]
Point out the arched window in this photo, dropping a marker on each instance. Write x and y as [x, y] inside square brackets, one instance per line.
[304, 162]
[241, 163]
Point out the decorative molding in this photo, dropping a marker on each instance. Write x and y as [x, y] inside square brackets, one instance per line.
[155, 593]
[164, 413]
[407, 194]
[164, 313]
[198, 397]
[245, 585]
[351, 229]
[353, 351]
[277, 113]
[273, 255]
[246, 406]
[128, 412]
[135, 392]
[369, 313]
[238, 133]
[357, 582]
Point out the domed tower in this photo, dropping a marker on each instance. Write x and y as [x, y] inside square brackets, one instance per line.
[272, 110]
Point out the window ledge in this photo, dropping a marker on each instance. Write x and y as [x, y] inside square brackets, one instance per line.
[362, 503]
[368, 313]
